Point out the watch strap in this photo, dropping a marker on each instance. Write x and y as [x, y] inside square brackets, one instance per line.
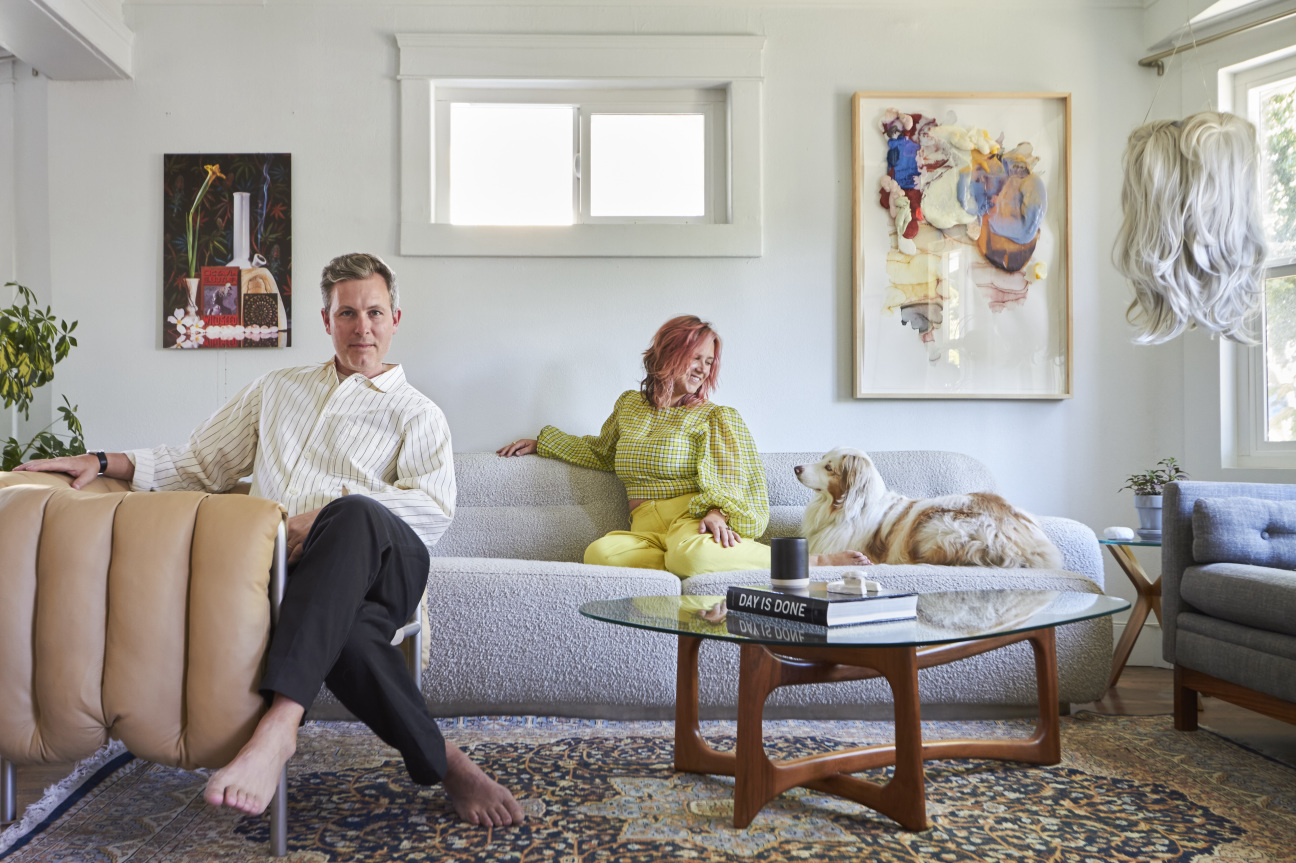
[103, 463]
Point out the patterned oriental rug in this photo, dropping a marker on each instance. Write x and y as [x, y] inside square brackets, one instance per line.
[1128, 789]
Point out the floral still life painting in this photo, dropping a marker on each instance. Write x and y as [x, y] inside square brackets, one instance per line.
[961, 245]
[227, 250]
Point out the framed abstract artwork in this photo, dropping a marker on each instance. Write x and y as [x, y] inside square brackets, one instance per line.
[227, 250]
[962, 247]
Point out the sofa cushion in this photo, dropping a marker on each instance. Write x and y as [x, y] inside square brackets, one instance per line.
[1244, 530]
[1260, 597]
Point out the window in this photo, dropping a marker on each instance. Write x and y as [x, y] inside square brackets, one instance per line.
[562, 157]
[1265, 376]
[580, 145]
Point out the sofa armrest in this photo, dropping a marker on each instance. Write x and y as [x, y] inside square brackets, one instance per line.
[1078, 544]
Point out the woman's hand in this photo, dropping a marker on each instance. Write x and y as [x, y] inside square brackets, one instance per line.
[526, 446]
[82, 468]
[717, 525]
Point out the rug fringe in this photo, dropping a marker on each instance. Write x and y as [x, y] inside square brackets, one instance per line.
[58, 792]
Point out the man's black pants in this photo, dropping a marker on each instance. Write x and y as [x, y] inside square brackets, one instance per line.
[359, 579]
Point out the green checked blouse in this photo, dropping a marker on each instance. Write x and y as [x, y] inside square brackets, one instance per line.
[663, 453]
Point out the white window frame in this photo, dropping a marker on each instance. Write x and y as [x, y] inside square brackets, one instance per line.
[619, 66]
[708, 102]
[1243, 372]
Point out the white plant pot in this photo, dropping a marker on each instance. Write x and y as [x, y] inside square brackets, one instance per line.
[1148, 507]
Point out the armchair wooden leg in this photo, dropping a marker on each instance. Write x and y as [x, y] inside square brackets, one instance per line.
[1185, 703]
[279, 818]
[8, 791]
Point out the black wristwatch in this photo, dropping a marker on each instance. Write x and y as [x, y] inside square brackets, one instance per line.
[103, 463]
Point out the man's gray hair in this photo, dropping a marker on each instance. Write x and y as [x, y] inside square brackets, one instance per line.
[353, 267]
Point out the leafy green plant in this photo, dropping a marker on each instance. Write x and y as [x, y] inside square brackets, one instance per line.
[32, 341]
[1149, 482]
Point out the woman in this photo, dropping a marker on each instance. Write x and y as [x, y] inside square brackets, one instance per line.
[690, 467]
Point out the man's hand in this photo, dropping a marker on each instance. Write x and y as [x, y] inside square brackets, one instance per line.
[298, 528]
[717, 525]
[82, 468]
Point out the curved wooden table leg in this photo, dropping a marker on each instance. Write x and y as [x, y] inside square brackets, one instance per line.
[759, 780]
[692, 753]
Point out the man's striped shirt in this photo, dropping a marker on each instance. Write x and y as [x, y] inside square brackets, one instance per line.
[308, 438]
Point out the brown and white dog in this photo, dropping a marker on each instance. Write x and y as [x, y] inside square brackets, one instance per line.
[852, 510]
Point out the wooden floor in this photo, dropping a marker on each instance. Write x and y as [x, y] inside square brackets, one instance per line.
[1140, 691]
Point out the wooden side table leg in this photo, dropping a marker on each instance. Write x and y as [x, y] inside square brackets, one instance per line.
[1138, 614]
[1148, 600]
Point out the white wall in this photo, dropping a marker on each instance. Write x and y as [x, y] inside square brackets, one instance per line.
[506, 345]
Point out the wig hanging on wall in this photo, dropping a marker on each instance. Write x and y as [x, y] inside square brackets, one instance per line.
[1192, 244]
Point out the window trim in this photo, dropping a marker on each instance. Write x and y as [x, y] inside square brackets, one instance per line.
[1244, 391]
[626, 63]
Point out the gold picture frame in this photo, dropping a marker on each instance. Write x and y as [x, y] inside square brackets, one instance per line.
[962, 245]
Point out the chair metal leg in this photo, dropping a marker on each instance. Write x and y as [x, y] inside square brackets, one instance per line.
[279, 818]
[279, 804]
[8, 791]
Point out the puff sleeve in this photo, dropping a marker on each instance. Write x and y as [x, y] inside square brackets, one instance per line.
[731, 476]
[598, 452]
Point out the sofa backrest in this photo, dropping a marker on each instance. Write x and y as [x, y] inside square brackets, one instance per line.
[542, 509]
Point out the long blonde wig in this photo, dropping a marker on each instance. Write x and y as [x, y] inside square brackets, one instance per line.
[1192, 244]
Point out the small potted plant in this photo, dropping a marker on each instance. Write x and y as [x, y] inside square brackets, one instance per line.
[1147, 488]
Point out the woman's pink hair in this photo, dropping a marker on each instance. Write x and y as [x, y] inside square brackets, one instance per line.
[668, 357]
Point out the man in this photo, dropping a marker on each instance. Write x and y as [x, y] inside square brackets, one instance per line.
[362, 462]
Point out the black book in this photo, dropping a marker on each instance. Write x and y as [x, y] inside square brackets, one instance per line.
[816, 605]
[791, 632]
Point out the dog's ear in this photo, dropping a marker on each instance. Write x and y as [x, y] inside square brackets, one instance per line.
[852, 478]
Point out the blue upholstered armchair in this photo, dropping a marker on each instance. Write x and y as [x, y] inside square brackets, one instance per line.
[1228, 565]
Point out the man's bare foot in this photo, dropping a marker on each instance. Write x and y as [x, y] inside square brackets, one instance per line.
[841, 558]
[249, 782]
[476, 797]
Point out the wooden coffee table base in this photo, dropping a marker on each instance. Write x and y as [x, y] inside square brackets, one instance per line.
[758, 779]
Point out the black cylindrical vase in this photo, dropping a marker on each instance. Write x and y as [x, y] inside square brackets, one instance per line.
[789, 561]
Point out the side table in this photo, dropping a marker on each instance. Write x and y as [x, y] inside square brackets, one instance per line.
[1149, 598]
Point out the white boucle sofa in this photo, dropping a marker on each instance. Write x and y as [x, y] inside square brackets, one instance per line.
[506, 581]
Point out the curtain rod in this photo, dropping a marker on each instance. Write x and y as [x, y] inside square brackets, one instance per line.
[1158, 60]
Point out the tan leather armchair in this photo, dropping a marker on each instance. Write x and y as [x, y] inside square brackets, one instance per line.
[142, 617]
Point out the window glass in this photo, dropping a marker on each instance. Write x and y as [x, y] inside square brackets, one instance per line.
[1280, 358]
[1274, 108]
[647, 165]
[511, 164]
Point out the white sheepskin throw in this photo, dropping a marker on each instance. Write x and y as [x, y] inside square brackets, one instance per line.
[1192, 244]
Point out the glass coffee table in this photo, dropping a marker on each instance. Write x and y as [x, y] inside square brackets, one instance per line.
[773, 653]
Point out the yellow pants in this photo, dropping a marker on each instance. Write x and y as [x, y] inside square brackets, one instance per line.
[663, 535]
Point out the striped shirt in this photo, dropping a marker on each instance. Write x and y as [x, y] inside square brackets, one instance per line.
[308, 438]
[661, 453]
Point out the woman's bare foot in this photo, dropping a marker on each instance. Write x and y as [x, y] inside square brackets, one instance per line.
[249, 782]
[841, 558]
[476, 797]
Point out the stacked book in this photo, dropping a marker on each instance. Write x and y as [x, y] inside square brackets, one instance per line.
[819, 605]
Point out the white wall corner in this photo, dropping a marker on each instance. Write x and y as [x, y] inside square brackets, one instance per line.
[69, 40]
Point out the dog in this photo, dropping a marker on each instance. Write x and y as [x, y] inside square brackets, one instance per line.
[852, 510]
